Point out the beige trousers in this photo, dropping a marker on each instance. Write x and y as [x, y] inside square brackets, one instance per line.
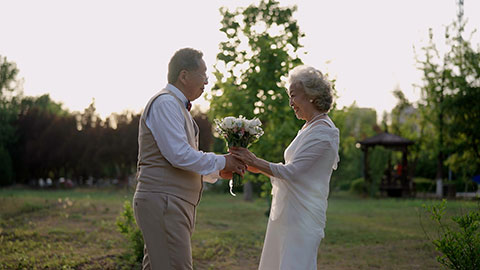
[167, 223]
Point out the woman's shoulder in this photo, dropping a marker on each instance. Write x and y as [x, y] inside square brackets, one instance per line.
[321, 135]
[323, 127]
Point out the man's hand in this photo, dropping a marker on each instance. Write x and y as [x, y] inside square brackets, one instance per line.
[233, 164]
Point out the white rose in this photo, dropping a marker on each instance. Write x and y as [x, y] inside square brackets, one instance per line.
[238, 123]
[255, 122]
[248, 125]
[252, 130]
[228, 122]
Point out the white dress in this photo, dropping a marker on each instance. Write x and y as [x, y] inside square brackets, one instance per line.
[300, 190]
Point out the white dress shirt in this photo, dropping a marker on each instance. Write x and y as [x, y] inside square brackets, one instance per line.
[166, 121]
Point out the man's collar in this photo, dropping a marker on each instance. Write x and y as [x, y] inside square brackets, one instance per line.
[176, 92]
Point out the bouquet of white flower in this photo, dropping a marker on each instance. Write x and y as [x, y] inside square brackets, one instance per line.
[239, 132]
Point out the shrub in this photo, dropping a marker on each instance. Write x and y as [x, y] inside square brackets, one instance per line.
[424, 184]
[358, 186]
[465, 185]
[6, 169]
[340, 184]
[459, 243]
[128, 227]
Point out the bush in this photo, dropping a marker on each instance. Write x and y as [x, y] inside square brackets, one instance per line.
[358, 186]
[344, 186]
[340, 184]
[128, 227]
[465, 185]
[459, 243]
[424, 184]
[6, 169]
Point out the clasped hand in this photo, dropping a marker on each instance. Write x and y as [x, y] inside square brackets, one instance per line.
[239, 160]
[246, 157]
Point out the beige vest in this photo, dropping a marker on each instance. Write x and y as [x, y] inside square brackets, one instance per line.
[154, 172]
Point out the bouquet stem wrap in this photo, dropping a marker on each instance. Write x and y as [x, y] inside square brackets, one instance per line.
[238, 132]
[236, 177]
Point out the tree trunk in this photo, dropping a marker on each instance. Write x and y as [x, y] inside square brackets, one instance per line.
[440, 157]
[247, 191]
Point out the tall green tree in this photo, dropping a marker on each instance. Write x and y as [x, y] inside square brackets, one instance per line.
[461, 106]
[433, 94]
[261, 46]
[10, 86]
[451, 90]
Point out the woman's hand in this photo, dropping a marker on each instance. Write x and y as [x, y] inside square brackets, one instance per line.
[254, 164]
[226, 174]
[253, 169]
[244, 154]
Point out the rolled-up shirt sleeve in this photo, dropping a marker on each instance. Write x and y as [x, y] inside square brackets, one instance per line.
[166, 121]
[302, 161]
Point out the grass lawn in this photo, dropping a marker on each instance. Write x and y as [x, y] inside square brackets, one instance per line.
[76, 230]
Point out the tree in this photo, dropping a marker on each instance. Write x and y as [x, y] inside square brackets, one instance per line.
[205, 130]
[261, 47]
[433, 94]
[461, 106]
[451, 90]
[53, 142]
[40, 139]
[401, 113]
[407, 121]
[355, 124]
[122, 150]
[43, 131]
[10, 87]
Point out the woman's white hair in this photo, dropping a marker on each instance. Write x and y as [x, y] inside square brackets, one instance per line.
[315, 85]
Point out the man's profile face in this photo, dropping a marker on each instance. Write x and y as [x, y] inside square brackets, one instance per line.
[196, 81]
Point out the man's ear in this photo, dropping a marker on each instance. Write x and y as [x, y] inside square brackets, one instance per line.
[182, 77]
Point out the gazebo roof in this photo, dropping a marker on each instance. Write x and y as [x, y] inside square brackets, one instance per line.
[386, 139]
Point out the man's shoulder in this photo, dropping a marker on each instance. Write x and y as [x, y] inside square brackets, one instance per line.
[162, 103]
[163, 97]
[166, 104]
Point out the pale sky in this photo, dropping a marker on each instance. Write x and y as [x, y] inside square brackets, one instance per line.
[118, 51]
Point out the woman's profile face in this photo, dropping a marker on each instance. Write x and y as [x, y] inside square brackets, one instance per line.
[299, 101]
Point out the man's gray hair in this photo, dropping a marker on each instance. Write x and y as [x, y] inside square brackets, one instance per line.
[183, 59]
[315, 84]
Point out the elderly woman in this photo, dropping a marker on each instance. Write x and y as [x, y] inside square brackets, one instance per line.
[300, 186]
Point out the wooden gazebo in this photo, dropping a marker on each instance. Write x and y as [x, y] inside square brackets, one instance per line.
[395, 184]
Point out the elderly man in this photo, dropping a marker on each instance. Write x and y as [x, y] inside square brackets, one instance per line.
[170, 166]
